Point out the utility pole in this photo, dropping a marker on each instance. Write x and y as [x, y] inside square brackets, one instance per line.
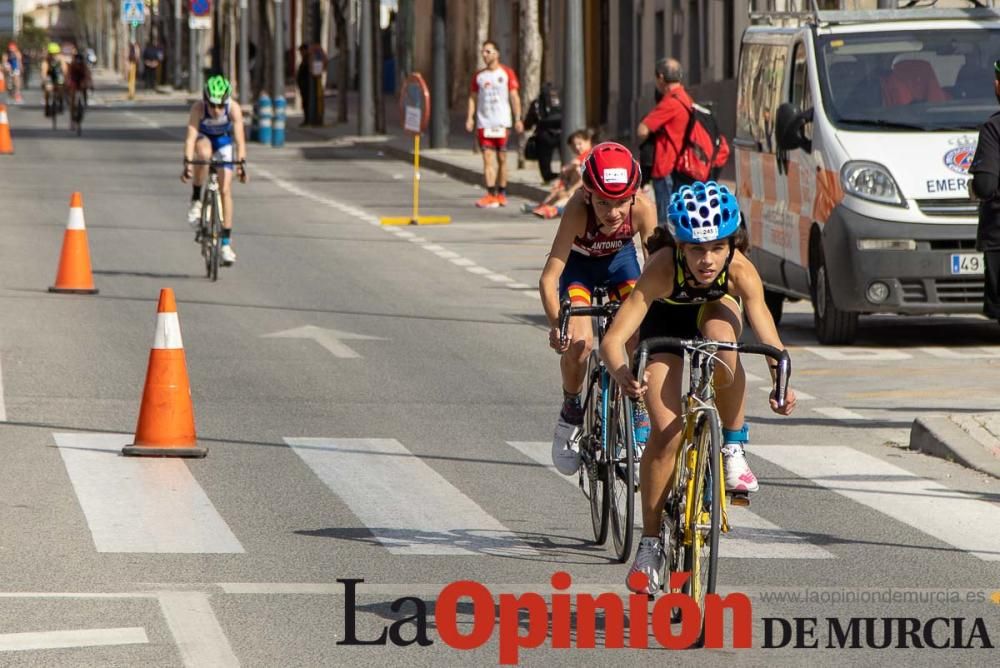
[279, 49]
[178, 27]
[574, 116]
[366, 111]
[439, 78]
[244, 67]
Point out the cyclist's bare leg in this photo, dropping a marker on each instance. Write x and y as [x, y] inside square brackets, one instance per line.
[202, 152]
[490, 166]
[573, 363]
[722, 321]
[226, 191]
[663, 401]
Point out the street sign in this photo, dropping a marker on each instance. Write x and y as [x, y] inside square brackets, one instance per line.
[133, 11]
[415, 104]
[200, 22]
[201, 7]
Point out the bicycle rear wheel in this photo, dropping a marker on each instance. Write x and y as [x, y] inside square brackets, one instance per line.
[621, 473]
[701, 559]
[593, 478]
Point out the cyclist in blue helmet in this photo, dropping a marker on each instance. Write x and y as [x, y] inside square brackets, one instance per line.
[698, 282]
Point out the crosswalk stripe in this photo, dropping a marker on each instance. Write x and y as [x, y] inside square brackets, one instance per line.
[40, 640]
[751, 537]
[140, 504]
[950, 516]
[408, 506]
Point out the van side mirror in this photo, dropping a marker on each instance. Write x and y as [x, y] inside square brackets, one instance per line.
[789, 125]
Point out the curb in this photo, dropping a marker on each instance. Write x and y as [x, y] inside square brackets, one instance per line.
[940, 437]
[475, 177]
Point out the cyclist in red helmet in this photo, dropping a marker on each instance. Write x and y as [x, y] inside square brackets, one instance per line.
[592, 247]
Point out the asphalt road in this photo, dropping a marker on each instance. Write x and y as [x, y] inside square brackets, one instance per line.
[377, 402]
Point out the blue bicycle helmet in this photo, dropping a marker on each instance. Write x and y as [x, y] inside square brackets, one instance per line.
[703, 212]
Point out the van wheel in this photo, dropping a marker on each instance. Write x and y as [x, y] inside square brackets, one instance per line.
[775, 304]
[833, 326]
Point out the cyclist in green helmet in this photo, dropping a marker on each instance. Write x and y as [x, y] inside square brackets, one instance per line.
[215, 132]
[54, 71]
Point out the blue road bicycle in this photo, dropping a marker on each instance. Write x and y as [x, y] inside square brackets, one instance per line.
[607, 436]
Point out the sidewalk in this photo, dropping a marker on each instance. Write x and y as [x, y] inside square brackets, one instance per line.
[968, 439]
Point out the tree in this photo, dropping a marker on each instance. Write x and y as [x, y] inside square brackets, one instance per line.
[340, 10]
[530, 41]
[482, 22]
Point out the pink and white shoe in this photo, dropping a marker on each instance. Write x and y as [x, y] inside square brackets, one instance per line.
[739, 477]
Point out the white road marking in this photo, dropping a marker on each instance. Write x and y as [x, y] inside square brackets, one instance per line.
[3, 404]
[446, 254]
[463, 262]
[14, 642]
[965, 354]
[858, 354]
[476, 269]
[520, 286]
[434, 248]
[331, 339]
[838, 413]
[499, 278]
[752, 537]
[950, 516]
[135, 504]
[200, 639]
[378, 478]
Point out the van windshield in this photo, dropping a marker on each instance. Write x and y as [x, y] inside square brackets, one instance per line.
[906, 80]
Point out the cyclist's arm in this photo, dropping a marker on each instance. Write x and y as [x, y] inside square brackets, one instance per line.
[239, 138]
[748, 286]
[572, 224]
[194, 118]
[654, 282]
[644, 220]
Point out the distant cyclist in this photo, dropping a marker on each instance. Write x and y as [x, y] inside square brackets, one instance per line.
[54, 74]
[79, 83]
[215, 129]
[13, 65]
[592, 247]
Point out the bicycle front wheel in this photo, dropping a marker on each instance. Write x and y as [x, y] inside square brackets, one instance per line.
[216, 236]
[592, 455]
[621, 473]
[701, 559]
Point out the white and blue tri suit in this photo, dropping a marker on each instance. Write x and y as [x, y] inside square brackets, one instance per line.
[219, 131]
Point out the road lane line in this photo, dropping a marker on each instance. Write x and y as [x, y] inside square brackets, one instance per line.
[139, 504]
[950, 516]
[200, 639]
[858, 354]
[970, 354]
[752, 537]
[19, 642]
[3, 403]
[838, 413]
[378, 478]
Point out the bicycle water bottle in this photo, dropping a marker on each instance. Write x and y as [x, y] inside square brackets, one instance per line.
[278, 132]
[264, 132]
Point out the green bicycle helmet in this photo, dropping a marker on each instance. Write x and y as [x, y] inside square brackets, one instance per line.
[217, 90]
[54, 48]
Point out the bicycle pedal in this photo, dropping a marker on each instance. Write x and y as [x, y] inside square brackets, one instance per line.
[741, 499]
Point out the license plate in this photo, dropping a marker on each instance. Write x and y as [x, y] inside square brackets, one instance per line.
[967, 263]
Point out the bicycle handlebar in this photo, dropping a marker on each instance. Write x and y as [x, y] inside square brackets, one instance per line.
[567, 310]
[669, 344]
[215, 163]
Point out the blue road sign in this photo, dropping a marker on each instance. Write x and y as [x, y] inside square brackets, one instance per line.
[133, 11]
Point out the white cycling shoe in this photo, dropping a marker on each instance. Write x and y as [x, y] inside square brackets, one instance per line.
[739, 477]
[566, 447]
[649, 561]
[227, 254]
[194, 213]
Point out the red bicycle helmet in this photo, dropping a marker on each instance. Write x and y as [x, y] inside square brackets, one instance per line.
[610, 172]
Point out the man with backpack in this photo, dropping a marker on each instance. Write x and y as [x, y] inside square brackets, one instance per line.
[689, 146]
[545, 115]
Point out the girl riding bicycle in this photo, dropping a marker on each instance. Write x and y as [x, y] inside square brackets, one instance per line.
[593, 246]
[699, 285]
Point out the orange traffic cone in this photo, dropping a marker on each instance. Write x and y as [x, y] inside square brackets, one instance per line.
[6, 145]
[166, 417]
[3, 83]
[74, 263]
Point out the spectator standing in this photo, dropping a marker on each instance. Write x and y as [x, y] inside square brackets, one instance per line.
[667, 122]
[13, 65]
[151, 57]
[303, 79]
[545, 116]
[985, 184]
[317, 67]
[493, 105]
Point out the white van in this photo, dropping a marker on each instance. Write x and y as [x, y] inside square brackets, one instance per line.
[855, 132]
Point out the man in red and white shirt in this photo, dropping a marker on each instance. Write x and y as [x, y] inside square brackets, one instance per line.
[492, 97]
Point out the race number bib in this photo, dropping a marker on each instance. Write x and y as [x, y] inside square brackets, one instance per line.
[494, 133]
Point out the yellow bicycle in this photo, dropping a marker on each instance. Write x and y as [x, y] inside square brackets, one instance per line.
[694, 514]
